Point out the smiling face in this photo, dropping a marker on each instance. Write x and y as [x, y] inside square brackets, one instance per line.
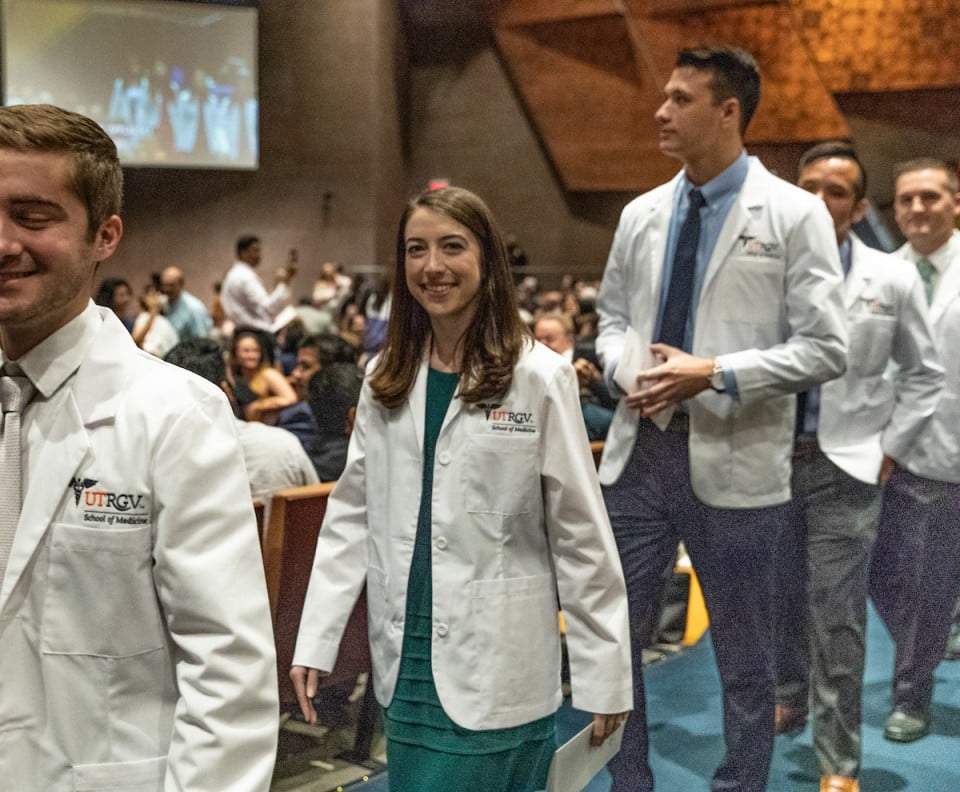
[248, 354]
[834, 181]
[47, 254]
[926, 208]
[442, 263]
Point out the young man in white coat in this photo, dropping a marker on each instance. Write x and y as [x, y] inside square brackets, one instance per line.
[915, 574]
[850, 433]
[135, 643]
[730, 278]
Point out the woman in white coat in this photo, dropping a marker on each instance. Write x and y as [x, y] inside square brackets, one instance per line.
[469, 503]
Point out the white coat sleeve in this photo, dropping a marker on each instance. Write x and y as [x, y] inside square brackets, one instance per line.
[341, 559]
[209, 578]
[590, 582]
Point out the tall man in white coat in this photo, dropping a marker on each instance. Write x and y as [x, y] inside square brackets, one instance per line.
[738, 301]
[915, 576]
[850, 432]
[135, 643]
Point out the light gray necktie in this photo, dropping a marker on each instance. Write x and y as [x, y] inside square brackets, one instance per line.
[927, 273]
[15, 392]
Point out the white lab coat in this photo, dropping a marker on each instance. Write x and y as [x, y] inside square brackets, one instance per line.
[517, 517]
[870, 411]
[936, 454]
[771, 304]
[136, 651]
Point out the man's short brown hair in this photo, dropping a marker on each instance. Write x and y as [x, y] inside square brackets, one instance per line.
[97, 176]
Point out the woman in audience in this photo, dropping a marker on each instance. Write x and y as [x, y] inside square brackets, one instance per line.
[468, 503]
[115, 294]
[261, 390]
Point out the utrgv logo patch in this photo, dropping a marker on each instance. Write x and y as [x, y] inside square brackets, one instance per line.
[507, 420]
[752, 246]
[101, 506]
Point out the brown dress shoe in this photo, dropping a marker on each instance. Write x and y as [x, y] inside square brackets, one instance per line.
[838, 783]
[789, 718]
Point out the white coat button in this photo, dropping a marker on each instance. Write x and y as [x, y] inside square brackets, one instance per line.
[441, 543]
[441, 631]
[444, 458]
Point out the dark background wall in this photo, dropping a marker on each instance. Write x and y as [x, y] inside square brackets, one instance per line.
[364, 101]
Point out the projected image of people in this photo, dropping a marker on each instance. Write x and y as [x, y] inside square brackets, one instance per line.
[179, 89]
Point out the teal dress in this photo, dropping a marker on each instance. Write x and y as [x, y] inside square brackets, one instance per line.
[426, 750]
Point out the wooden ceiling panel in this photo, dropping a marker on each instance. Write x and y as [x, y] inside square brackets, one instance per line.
[589, 114]
[591, 71]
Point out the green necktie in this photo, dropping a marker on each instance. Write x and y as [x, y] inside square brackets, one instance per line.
[927, 271]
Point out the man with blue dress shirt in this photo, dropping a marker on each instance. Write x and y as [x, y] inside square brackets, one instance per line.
[186, 313]
[727, 280]
[850, 434]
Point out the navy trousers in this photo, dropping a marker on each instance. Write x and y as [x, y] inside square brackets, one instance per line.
[915, 580]
[652, 507]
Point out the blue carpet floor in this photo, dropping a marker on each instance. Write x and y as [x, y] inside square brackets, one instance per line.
[683, 700]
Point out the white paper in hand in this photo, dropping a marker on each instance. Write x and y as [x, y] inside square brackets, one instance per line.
[576, 762]
[637, 357]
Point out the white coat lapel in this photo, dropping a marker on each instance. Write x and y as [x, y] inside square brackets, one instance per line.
[947, 292]
[60, 438]
[417, 402]
[859, 277]
[750, 200]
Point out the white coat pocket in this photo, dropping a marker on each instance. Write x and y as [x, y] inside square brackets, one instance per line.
[517, 639]
[100, 598]
[501, 474]
[143, 775]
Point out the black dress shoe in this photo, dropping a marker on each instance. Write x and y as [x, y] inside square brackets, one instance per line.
[953, 644]
[904, 728]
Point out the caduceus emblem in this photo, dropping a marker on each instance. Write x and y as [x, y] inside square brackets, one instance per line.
[79, 485]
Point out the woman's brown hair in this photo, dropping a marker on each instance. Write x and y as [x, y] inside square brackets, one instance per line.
[495, 338]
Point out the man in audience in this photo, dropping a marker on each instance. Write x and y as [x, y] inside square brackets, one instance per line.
[274, 459]
[721, 299]
[555, 330]
[850, 433]
[136, 648]
[313, 353]
[334, 393]
[186, 313]
[246, 301]
[915, 574]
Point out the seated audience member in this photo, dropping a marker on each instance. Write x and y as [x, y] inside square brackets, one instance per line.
[314, 352]
[115, 294]
[186, 313]
[152, 331]
[555, 330]
[261, 390]
[315, 320]
[333, 394]
[273, 457]
[331, 287]
[288, 341]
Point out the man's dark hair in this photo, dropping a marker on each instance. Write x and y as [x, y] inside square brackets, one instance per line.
[330, 347]
[842, 150]
[735, 74]
[332, 391]
[202, 356]
[245, 242]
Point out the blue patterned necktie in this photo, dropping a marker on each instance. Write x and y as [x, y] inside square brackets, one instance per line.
[674, 324]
